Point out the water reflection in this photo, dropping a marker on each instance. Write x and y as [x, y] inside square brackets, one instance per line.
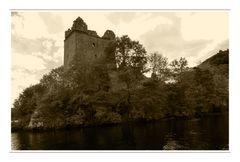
[209, 133]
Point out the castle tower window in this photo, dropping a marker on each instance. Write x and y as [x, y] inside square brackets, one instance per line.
[93, 45]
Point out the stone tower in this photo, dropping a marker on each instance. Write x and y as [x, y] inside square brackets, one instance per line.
[86, 45]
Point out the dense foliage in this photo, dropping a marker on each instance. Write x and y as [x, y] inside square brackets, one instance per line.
[87, 95]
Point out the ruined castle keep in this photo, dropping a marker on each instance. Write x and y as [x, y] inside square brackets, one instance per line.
[85, 45]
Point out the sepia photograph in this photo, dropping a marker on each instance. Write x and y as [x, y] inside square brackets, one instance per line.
[155, 80]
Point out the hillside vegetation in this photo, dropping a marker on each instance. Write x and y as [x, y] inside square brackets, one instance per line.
[96, 95]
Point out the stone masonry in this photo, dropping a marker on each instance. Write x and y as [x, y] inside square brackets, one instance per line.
[85, 44]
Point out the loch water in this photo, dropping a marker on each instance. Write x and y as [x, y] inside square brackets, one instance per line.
[207, 133]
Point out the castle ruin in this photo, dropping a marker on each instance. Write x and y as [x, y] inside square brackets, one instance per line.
[85, 45]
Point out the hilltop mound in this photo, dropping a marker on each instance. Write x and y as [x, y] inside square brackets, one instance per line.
[218, 64]
[222, 57]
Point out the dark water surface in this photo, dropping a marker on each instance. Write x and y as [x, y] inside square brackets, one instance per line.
[208, 133]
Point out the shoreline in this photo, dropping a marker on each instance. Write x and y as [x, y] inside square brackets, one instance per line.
[115, 124]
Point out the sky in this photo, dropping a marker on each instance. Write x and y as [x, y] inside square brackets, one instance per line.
[37, 37]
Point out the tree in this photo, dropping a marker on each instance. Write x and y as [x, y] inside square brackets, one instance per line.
[27, 100]
[159, 66]
[178, 67]
[54, 79]
[130, 54]
[131, 60]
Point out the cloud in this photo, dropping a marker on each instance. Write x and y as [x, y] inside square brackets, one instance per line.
[204, 25]
[118, 17]
[190, 35]
[159, 31]
[28, 25]
[223, 45]
[53, 22]
[168, 40]
[21, 79]
[41, 47]
[29, 62]
[27, 46]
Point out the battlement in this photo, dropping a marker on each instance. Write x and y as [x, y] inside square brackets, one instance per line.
[80, 26]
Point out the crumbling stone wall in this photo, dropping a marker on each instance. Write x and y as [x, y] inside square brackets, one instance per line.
[86, 45]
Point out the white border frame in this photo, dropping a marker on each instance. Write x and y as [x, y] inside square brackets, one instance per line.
[234, 40]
